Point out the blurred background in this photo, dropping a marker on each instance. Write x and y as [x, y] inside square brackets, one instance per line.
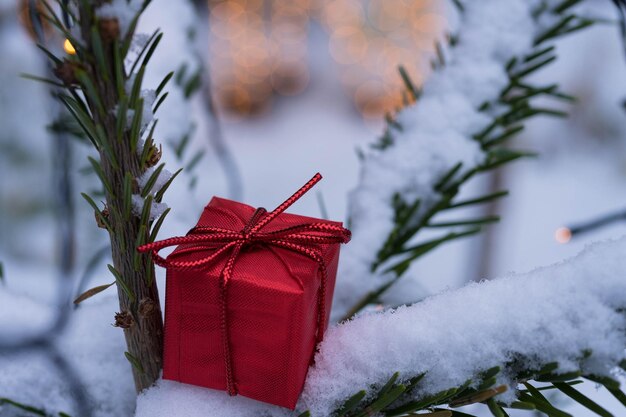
[267, 93]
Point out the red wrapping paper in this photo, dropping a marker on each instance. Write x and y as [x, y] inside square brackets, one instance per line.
[273, 300]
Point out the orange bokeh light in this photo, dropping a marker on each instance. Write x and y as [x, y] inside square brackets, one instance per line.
[563, 235]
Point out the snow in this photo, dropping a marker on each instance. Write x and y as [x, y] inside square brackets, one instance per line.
[14, 324]
[551, 314]
[147, 115]
[156, 209]
[162, 179]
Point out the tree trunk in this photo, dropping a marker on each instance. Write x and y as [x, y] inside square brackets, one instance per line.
[141, 316]
[144, 328]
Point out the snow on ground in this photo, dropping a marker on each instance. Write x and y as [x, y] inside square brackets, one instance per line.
[550, 314]
[90, 343]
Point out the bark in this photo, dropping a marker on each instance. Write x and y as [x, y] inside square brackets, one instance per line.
[144, 334]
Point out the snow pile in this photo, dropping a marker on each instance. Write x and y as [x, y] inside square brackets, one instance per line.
[436, 135]
[550, 314]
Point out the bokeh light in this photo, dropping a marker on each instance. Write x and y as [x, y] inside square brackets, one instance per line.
[68, 47]
[563, 235]
[259, 48]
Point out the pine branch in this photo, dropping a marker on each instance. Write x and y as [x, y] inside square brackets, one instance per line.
[396, 399]
[564, 234]
[198, 83]
[35, 411]
[110, 106]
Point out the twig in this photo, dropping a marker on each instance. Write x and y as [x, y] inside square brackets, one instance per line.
[216, 138]
[621, 8]
[565, 234]
[216, 134]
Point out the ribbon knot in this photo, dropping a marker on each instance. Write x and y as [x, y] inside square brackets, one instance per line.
[304, 239]
[246, 233]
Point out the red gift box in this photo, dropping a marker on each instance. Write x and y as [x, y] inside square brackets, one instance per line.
[248, 298]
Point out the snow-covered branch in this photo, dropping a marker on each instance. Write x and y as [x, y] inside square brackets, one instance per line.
[476, 100]
[570, 313]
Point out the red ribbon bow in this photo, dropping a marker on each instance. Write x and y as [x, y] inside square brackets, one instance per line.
[302, 239]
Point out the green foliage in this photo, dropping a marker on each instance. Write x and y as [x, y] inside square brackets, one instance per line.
[148, 148]
[121, 283]
[134, 362]
[99, 214]
[92, 85]
[29, 408]
[42, 79]
[410, 87]
[23, 407]
[582, 399]
[190, 83]
[158, 196]
[164, 83]
[147, 188]
[64, 124]
[399, 397]
[351, 403]
[509, 111]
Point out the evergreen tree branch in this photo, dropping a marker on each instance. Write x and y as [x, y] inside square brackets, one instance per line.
[509, 111]
[111, 107]
[486, 390]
